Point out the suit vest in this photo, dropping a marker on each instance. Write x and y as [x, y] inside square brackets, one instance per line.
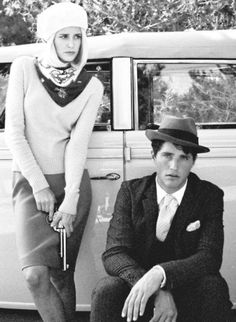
[163, 251]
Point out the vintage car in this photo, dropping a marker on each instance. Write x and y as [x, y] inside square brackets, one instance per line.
[145, 76]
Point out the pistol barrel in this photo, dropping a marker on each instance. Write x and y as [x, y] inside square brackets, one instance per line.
[62, 252]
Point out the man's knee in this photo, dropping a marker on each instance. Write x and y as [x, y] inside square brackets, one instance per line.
[108, 299]
[214, 287]
[206, 300]
[215, 303]
[109, 287]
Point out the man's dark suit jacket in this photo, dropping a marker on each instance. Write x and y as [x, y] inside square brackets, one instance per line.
[132, 232]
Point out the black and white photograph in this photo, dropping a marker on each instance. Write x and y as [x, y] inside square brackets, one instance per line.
[117, 161]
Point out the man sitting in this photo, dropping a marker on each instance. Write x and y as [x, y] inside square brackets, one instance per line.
[165, 240]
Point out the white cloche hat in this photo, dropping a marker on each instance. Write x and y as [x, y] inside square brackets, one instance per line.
[59, 16]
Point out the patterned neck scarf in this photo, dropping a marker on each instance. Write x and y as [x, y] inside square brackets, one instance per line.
[64, 95]
[59, 76]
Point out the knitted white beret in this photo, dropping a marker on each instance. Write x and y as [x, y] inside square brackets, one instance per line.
[59, 16]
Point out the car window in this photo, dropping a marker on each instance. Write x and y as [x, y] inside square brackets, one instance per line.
[101, 70]
[204, 91]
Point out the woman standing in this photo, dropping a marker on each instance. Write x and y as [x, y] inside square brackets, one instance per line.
[52, 104]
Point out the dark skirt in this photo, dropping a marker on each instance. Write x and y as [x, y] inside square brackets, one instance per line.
[37, 242]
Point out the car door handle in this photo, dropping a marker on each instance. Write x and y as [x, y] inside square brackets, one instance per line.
[109, 176]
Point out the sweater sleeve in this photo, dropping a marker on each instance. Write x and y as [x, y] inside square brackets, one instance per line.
[15, 128]
[76, 149]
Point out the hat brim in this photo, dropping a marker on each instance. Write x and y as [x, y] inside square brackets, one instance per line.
[155, 135]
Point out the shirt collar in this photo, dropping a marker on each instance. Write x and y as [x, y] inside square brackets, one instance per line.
[161, 193]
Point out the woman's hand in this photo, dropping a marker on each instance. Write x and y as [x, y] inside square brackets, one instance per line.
[45, 201]
[62, 219]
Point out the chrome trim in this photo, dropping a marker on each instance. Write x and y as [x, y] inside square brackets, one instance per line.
[110, 176]
[186, 61]
[122, 94]
[135, 82]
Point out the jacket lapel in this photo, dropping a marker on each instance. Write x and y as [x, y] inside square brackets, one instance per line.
[185, 211]
[150, 212]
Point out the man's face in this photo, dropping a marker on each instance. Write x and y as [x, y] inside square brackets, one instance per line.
[172, 166]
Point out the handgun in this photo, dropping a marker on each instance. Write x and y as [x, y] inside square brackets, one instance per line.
[62, 244]
[62, 251]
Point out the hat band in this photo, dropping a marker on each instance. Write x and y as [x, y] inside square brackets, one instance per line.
[181, 135]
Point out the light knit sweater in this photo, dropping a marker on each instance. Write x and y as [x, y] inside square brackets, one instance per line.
[45, 138]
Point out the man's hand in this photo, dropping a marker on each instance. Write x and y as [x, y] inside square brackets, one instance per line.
[45, 201]
[64, 220]
[164, 308]
[140, 293]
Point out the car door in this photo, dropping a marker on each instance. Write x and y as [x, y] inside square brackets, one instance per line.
[204, 90]
[105, 166]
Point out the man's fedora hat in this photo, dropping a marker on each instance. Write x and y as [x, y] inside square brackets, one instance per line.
[177, 130]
